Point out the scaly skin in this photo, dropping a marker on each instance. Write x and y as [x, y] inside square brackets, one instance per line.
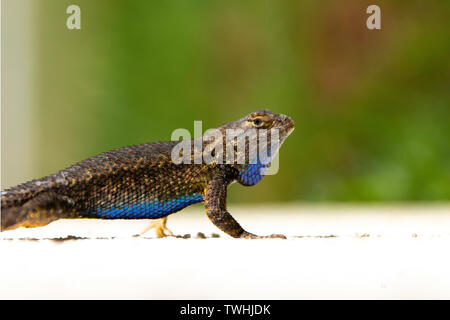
[142, 182]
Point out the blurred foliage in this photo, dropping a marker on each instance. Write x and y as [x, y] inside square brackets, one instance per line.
[372, 107]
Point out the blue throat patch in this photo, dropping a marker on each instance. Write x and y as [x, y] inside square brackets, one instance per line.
[252, 174]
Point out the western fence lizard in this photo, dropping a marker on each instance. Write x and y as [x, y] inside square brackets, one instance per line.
[144, 181]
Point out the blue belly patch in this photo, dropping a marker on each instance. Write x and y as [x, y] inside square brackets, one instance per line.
[148, 210]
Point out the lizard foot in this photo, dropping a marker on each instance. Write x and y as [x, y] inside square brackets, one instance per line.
[159, 225]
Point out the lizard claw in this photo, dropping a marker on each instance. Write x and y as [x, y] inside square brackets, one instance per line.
[160, 228]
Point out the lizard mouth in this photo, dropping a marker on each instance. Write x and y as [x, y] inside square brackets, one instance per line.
[290, 130]
[288, 125]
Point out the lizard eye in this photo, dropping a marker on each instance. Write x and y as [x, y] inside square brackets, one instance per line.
[257, 123]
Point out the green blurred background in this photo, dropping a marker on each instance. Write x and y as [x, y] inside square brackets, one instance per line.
[371, 107]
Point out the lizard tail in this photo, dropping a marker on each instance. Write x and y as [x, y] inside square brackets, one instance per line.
[22, 205]
[36, 212]
[22, 193]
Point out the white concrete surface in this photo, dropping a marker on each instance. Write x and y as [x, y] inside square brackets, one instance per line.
[332, 252]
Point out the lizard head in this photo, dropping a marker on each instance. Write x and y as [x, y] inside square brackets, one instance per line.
[255, 138]
[263, 120]
[259, 136]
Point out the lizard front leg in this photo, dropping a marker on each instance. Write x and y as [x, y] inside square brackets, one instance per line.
[215, 206]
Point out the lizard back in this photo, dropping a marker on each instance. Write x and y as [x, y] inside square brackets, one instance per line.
[130, 183]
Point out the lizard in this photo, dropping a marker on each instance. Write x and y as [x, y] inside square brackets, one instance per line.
[144, 182]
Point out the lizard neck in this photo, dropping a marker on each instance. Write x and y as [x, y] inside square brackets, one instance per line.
[252, 173]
